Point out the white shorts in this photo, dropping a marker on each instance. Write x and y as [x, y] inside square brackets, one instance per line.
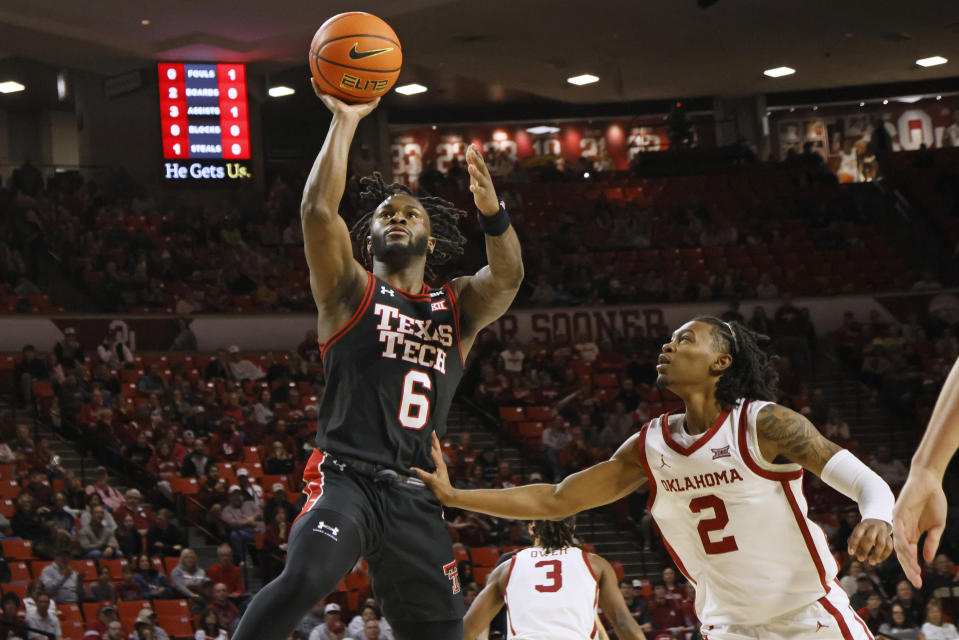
[829, 618]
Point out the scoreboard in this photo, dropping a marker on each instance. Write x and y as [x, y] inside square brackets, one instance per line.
[204, 121]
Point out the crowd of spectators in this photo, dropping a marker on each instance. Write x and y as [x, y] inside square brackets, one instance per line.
[760, 233]
[903, 363]
[223, 439]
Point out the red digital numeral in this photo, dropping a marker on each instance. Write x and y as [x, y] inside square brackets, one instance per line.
[556, 576]
[719, 520]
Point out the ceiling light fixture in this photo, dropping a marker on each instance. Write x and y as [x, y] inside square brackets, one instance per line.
[541, 129]
[931, 61]
[938, 97]
[779, 72]
[885, 101]
[11, 87]
[411, 89]
[815, 108]
[586, 78]
[280, 91]
[910, 99]
[862, 104]
[145, 22]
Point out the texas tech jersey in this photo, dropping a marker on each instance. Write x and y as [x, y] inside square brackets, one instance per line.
[735, 524]
[551, 596]
[390, 376]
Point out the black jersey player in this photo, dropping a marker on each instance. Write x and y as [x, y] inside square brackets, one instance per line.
[393, 351]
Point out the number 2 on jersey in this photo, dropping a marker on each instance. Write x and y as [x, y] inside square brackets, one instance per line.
[415, 407]
[719, 520]
[555, 576]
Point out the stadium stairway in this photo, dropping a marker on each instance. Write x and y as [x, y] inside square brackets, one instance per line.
[72, 459]
[869, 420]
[597, 527]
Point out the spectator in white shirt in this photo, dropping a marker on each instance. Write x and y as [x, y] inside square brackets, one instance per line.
[243, 369]
[836, 428]
[586, 348]
[43, 619]
[60, 580]
[251, 491]
[513, 357]
[935, 628]
[113, 351]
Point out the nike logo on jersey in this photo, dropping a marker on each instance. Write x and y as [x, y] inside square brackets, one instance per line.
[359, 55]
[327, 530]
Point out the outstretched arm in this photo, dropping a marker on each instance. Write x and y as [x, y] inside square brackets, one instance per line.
[784, 433]
[335, 277]
[600, 484]
[611, 601]
[487, 604]
[487, 294]
[921, 506]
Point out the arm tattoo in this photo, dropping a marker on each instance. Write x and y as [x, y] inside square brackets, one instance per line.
[793, 436]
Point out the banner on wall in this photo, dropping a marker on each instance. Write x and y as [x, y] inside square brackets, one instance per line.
[610, 144]
[841, 135]
[264, 332]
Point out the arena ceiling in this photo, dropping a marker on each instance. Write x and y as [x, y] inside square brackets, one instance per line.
[501, 50]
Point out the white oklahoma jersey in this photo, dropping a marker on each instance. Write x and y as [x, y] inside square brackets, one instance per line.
[551, 596]
[737, 527]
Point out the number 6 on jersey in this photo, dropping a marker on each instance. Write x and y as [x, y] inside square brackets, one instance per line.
[415, 407]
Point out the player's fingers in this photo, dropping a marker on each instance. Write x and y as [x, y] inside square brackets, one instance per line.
[883, 547]
[437, 451]
[907, 553]
[422, 475]
[863, 543]
[932, 542]
[872, 543]
[852, 545]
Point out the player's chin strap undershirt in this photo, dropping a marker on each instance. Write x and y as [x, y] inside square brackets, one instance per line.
[847, 474]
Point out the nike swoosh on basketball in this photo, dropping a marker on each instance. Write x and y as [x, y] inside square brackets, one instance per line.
[359, 55]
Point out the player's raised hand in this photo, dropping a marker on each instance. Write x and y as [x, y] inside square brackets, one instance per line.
[920, 508]
[870, 541]
[481, 183]
[338, 107]
[439, 480]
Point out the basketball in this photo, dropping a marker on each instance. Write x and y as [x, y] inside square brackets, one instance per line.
[355, 57]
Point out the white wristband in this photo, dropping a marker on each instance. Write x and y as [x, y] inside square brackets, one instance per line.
[848, 475]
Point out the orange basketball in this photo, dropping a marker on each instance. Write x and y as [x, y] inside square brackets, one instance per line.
[355, 56]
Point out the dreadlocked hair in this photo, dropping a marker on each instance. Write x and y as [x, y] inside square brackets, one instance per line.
[752, 374]
[554, 534]
[444, 218]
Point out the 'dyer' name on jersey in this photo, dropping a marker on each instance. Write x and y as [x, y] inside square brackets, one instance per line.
[412, 340]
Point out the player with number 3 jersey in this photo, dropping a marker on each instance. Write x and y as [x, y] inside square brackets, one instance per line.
[551, 591]
[393, 350]
[725, 486]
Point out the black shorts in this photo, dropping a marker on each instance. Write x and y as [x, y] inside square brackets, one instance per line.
[404, 537]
